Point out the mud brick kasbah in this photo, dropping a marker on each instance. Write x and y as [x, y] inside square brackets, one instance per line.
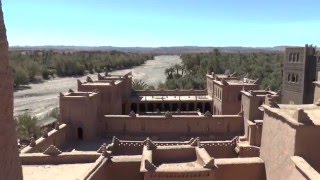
[231, 130]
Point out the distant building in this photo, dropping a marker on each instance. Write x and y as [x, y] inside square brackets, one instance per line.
[226, 92]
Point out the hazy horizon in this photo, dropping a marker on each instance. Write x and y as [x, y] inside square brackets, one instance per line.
[151, 46]
[122, 23]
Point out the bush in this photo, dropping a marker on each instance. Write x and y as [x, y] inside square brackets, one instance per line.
[27, 126]
[20, 77]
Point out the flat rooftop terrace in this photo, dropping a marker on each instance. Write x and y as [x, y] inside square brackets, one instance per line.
[61, 171]
[288, 111]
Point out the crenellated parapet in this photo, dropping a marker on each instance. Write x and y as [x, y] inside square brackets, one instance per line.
[55, 137]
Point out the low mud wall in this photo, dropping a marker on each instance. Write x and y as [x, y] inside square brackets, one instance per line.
[64, 158]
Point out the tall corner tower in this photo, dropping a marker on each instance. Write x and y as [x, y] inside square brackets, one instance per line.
[299, 73]
[10, 165]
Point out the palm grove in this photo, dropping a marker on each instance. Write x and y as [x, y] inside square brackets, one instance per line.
[34, 66]
[191, 73]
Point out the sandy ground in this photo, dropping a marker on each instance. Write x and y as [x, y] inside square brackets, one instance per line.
[41, 98]
[62, 171]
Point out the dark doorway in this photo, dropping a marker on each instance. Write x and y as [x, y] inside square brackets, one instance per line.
[183, 107]
[166, 107]
[142, 108]
[175, 106]
[191, 107]
[80, 133]
[199, 107]
[207, 107]
[134, 107]
[150, 107]
[159, 106]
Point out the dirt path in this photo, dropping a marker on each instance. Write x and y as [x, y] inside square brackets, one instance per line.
[41, 98]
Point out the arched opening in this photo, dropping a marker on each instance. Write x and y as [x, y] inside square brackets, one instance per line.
[191, 107]
[150, 107]
[297, 78]
[199, 107]
[80, 133]
[159, 106]
[293, 78]
[289, 77]
[183, 107]
[142, 108]
[134, 107]
[175, 106]
[294, 57]
[207, 107]
[166, 107]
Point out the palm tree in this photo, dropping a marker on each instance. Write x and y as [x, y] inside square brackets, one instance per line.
[177, 67]
[183, 69]
[139, 85]
[169, 72]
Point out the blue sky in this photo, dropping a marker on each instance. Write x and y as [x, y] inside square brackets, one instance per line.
[154, 23]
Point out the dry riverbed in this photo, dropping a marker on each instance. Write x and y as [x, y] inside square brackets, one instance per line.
[42, 98]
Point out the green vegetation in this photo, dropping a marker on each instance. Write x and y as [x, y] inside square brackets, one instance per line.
[141, 85]
[34, 66]
[265, 66]
[27, 126]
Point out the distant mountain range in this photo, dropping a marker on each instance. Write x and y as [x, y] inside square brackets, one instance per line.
[154, 50]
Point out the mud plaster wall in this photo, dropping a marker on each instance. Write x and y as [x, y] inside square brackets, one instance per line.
[277, 146]
[115, 170]
[10, 165]
[240, 171]
[317, 91]
[221, 150]
[175, 125]
[80, 113]
[160, 156]
[298, 174]
[64, 158]
[110, 96]
[306, 146]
